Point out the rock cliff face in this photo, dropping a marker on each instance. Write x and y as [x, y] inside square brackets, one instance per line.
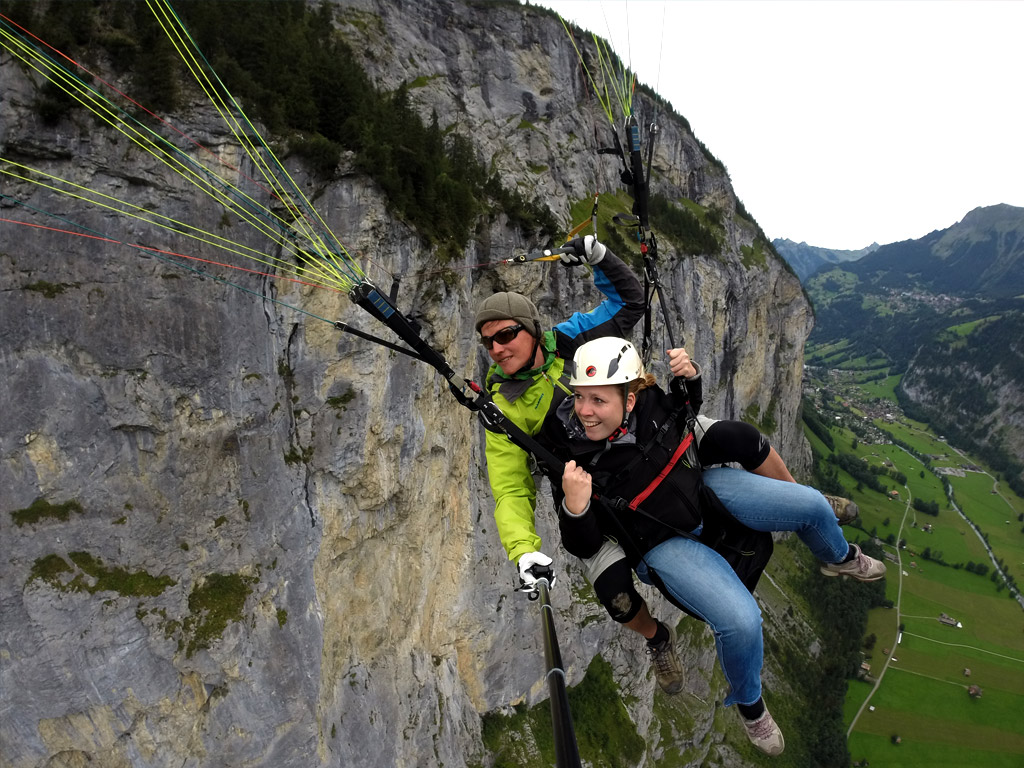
[232, 535]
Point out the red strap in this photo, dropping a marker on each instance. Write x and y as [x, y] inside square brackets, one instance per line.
[640, 497]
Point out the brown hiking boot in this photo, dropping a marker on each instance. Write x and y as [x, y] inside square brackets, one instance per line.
[846, 511]
[668, 668]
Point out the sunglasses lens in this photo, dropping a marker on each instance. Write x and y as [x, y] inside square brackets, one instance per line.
[504, 336]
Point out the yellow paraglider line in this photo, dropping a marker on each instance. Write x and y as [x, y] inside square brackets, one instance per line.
[178, 39]
[262, 219]
[106, 112]
[162, 252]
[121, 207]
[613, 86]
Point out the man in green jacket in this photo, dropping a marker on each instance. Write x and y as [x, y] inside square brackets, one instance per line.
[528, 380]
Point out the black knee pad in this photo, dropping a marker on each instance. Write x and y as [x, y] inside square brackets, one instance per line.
[615, 590]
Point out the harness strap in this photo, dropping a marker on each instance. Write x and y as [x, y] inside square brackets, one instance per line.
[654, 442]
[680, 450]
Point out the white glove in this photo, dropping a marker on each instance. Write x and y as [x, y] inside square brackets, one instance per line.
[595, 250]
[586, 250]
[526, 562]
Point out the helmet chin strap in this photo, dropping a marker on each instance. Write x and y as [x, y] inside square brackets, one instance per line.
[623, 428]
[529, 364]
[619, 432]
[625, 408]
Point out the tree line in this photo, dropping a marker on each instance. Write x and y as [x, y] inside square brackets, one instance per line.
[839, 612]
[291, 70]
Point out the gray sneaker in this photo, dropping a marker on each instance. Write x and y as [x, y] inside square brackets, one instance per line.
[846, 511]
[668, 669]
[861, 567]
[765, 734]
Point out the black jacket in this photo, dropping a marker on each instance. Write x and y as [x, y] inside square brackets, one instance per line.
[625, 467]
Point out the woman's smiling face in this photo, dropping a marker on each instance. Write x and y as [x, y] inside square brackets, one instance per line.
[600, 409]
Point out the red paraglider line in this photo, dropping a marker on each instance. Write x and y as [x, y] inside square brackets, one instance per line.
[171, 253]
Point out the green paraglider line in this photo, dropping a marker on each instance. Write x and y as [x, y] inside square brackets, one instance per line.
[14, 39]
[164, 255]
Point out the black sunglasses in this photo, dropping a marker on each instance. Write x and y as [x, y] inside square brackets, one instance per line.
[504, 336]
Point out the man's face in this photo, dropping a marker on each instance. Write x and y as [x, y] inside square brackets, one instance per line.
[513, 355]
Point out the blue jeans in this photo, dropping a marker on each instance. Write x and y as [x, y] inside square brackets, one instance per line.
[700, 579]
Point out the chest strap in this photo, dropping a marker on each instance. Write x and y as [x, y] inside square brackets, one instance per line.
[680, 450]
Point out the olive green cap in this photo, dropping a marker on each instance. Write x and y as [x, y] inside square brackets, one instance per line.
[509, 306]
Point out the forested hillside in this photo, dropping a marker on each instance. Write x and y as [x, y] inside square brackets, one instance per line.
[982, 255]
[945, 313]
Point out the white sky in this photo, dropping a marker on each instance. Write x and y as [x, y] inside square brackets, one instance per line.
[842, 122]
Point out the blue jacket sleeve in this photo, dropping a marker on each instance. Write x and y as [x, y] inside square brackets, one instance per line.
[615, 316]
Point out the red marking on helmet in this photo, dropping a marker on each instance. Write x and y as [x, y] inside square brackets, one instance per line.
[591, 370]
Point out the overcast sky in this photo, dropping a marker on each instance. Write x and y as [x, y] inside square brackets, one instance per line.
[842, 122]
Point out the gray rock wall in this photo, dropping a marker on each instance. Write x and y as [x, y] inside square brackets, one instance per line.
[280, 549]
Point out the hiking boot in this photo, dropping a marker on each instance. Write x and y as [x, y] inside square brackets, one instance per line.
[668, 669]
[765, 734]
[861, 567]
[846, 511]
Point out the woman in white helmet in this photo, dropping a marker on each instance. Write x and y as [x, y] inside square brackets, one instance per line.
[619, 433]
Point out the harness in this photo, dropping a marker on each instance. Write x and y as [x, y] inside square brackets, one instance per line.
[747, 551]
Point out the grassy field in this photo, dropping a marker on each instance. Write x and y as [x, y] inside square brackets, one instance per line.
[884, 388]
[919, 663]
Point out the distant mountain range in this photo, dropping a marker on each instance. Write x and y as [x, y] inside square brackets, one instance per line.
[807, 259]
[981, 255]
[945, 311]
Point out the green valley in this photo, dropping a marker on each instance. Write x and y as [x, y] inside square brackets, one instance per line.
[945, 313]
[942, 681]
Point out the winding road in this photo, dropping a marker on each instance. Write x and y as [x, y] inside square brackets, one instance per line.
[899, 616]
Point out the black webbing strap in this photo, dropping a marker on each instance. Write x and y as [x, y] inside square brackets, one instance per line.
[654, 442]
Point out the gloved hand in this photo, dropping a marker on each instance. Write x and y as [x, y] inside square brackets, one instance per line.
[586, 250]
[526, 563]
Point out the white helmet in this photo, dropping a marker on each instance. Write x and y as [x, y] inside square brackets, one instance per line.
[608, 360]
